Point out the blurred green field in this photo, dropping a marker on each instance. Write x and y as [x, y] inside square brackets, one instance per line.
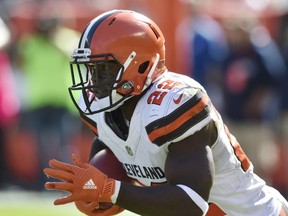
[21, 203]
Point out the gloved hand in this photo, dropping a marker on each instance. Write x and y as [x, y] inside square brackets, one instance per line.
[94, 209]
[82, 180]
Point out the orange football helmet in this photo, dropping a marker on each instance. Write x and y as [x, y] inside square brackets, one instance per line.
[120, 53]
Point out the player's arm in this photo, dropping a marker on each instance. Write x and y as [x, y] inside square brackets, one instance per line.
[97, 145]
[189, 171]
[190, 166]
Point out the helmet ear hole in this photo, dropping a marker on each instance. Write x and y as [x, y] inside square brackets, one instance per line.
[143, 67]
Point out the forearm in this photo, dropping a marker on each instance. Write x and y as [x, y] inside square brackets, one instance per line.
[159, 200]
[97, 145]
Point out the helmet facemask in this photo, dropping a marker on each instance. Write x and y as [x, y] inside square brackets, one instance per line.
[97, 78]
[104, 81]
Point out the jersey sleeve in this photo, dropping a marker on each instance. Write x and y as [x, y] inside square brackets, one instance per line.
[90, 123]
[187, 112]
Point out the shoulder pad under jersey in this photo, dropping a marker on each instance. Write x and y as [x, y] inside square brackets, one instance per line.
[175, 109]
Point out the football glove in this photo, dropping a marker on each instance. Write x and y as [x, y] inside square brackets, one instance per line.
[94, 209]
[82, 180]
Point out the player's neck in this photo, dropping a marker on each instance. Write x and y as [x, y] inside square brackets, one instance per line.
[129, 106]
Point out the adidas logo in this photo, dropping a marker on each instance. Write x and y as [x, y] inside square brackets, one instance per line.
[90, 185]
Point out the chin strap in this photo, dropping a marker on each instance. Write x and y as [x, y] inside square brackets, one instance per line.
[128, 61]
[149, 77]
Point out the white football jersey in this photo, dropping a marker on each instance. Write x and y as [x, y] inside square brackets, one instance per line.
[173, 108]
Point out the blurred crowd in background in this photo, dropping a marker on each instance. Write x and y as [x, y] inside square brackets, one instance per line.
[238, 50]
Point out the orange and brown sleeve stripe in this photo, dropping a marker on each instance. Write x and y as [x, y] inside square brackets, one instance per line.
[179, 121]
[90, 123]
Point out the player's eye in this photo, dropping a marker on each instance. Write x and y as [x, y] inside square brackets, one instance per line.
[103, 72]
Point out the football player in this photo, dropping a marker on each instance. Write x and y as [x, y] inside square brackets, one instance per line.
[161, 126]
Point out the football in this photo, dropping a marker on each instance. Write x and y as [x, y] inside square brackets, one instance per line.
[107, 162]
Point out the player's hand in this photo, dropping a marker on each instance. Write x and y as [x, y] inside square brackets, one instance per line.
[82, 180]
[94, 209]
